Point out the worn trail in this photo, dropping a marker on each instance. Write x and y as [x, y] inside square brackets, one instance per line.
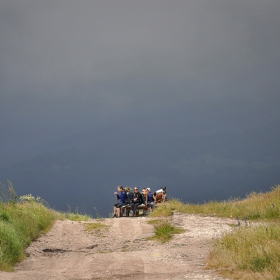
[121, 252]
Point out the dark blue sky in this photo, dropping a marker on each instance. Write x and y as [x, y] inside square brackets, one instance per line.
[152, 69]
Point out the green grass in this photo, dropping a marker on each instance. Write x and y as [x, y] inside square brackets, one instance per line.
[154, 222]
[22, 221]
[96, 227]
[248, 253]
[164, 230]
[76, 216]
[20, 224]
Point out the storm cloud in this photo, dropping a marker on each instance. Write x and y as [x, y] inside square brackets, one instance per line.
[135, 69]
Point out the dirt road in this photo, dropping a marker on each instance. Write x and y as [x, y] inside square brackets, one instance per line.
[121, 252]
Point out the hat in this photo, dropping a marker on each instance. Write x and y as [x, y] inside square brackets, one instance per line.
[149, 189]
[128, 189]
[136, 188]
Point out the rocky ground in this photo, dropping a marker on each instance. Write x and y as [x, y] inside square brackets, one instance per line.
[123, 251]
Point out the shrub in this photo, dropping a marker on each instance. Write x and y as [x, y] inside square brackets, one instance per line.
[164, 230]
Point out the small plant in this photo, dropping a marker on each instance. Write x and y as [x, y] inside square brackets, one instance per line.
[97, 214]
[75, 216]
[164, 230]
[96, 227]
[154, 222]
[7, 193]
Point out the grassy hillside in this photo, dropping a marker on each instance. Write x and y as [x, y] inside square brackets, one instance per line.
[22, 221]
[248, 252]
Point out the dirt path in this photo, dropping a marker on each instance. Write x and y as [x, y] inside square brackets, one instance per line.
[122, 252]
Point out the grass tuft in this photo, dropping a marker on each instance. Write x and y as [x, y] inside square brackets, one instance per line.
[96, 227]
[164, 230]
[76, 216]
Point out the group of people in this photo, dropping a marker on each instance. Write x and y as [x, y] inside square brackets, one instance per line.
[126, 197]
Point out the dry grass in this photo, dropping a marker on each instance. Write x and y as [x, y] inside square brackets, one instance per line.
[256, 206]
[248, 253]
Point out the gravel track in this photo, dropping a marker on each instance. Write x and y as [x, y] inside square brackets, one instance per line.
[67, 251]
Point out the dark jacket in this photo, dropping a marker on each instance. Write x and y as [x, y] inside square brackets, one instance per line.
[145, 198]
[139, 198]
[129, 197]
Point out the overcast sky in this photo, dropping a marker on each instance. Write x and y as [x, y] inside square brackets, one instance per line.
[66, 65]
[182, 67]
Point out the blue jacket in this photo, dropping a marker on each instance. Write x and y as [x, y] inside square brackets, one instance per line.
[150, 197]
[122, 197]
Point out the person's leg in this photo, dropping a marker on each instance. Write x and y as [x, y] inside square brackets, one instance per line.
[115, 209]
[151, 205]
[135, 207]
[119, 208]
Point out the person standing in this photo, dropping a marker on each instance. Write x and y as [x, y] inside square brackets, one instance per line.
[122, 200]
[137, 199]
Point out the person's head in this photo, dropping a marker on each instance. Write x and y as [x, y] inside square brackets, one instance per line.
[144, 191]
[127, 189]
[136, 190]
[148, 190]
[120, 188]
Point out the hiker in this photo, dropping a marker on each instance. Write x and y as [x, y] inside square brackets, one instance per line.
[129, 199]
[150, 203]
[145, 196]
[137, 199]
[122, 200]
[129, 194]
